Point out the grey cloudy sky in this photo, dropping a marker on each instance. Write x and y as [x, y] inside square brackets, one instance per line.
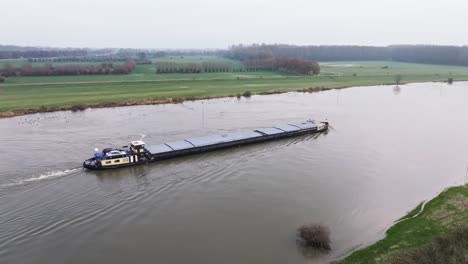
[219, 23]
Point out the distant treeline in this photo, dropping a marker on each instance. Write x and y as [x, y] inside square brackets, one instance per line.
[103, 59]
[320, 53]
[252, 56]
[42, 53]
[170, 52]
[68, 69]
[448, 55]
[81, 59]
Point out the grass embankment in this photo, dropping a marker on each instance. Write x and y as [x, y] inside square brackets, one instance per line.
[17, 100]
[443, 215]
[50, 93]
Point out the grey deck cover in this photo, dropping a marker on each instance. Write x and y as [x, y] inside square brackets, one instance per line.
[216, 139]
[179, 145]
[155, 149]
[270, 131]
[305, 125]
[287, 128]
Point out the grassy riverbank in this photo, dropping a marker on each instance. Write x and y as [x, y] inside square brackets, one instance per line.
[23, 95]
[442, 215]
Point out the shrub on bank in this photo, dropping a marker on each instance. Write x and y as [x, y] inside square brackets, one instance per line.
[78, 107]
[314, 236]
[2, 79]
[444, 249]
[247, 94]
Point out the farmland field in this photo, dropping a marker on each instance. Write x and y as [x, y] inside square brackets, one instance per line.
[144, 72]
[143, 83]
[366, 68]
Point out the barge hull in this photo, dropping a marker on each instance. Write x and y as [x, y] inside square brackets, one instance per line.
[226, 145]
[139, 153]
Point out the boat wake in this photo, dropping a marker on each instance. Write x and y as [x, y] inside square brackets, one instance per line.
[41, 177]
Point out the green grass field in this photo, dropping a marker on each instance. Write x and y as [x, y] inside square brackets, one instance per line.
[343, 68]
[139, 74]
[145, 72]
[35, 96]
[143, 83]
[366, 68]
[441, 215]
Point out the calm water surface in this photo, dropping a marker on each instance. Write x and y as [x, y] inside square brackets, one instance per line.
[389, 150]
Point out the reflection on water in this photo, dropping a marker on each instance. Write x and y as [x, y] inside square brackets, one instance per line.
[314, 256]
[387, 150]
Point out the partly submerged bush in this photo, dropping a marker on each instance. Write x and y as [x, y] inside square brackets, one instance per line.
[177, 100]
[247, 94]
[78, 107]
[314, 236]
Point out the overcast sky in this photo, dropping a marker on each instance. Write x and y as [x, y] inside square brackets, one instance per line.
[219, 23]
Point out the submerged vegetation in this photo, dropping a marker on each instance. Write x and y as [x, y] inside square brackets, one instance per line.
[439, 234]
[314, 236]
[247, 94]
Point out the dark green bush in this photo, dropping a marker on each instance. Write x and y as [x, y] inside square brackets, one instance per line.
[247, 94]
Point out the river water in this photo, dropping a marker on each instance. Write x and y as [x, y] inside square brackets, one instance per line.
[389, 149]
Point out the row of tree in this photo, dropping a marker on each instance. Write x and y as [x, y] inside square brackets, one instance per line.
[174, 67]
[67, 69]
[448, 55]
[292, 65]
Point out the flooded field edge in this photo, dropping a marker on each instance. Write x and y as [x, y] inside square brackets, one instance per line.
[177, 100]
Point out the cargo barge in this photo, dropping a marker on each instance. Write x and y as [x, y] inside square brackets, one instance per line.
[138, 152]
